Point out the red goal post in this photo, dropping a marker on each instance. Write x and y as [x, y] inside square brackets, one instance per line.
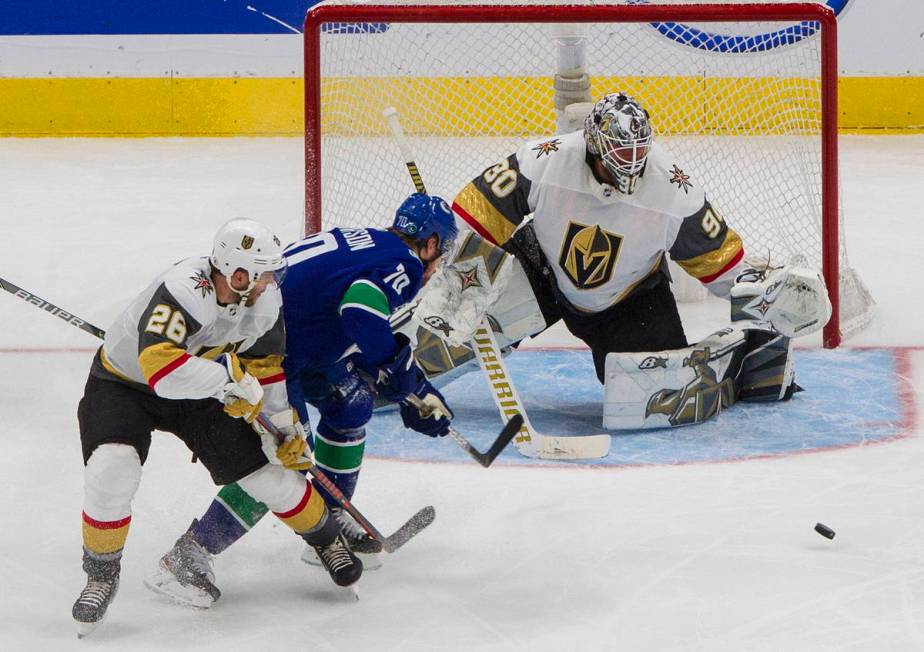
[327, 117]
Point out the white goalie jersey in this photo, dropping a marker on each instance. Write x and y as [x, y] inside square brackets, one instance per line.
[600, 243]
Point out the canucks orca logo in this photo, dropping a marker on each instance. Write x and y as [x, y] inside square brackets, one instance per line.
[588, 255]
[440, 324]
[739, 44]
[653, 362]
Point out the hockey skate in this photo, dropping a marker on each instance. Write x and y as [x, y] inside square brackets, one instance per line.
[185, 574]
[334, 554]
[360, 542]
[102, 586]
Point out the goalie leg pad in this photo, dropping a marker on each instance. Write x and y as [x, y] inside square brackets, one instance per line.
[767, 372]
[673, 388]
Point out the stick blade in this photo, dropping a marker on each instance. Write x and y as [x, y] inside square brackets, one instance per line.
[506, 435]
[414, 526]
[578, 447]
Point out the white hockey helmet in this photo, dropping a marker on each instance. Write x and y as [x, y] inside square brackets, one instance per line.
[246, 244]
[618, 132]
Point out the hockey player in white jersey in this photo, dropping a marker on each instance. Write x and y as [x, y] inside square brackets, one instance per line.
[590, 218]
[199, 354]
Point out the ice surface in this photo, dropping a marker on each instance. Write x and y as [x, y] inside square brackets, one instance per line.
[655, 556]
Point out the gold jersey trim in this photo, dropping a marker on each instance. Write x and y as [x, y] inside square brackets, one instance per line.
[713, 262]
[491, 220]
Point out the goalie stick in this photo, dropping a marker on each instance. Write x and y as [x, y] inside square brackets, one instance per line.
[402, 535]
[528, 441]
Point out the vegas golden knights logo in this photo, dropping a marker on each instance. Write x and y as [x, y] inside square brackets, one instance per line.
[701, 398]
[588, 255]
[246, 242]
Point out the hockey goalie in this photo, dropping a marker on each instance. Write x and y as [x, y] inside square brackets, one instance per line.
[578, 228]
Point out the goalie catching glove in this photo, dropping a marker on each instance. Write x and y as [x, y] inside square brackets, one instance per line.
[402, 377]
[293, 452]
[242, 395]
[792, 300]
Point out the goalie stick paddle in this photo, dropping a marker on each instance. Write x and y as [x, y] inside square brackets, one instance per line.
[529, 441]
[402, 535]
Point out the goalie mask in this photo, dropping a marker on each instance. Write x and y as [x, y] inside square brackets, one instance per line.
[420, 216]
[246, 244]
[618, 132]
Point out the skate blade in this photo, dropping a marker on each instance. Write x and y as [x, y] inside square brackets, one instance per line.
[165, 584]
[370, 561]
[85, 629]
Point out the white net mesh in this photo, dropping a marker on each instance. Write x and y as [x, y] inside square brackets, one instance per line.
[738, 103]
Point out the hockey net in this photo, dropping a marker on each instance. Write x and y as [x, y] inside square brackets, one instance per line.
[743, 94]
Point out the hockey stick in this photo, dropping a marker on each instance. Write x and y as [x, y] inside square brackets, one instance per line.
[51, 308]
[529, 441]
[484, 459]
[402, 535]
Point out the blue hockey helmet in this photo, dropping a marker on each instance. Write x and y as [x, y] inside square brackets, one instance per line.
[420, 216]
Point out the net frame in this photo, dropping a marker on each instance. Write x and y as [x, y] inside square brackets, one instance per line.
[445, 12]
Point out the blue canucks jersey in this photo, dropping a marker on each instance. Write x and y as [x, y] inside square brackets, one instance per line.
[341, 287]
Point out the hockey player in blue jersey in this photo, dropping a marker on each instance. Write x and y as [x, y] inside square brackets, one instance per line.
[342, 286]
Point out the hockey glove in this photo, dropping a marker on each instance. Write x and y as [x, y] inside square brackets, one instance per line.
[293, 452]
[401, 376]
[433, 417]
[242, 395]
[793, 300]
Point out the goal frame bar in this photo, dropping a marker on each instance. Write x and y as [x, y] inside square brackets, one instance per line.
[443, 13]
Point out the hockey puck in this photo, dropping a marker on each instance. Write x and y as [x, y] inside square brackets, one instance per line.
[824, 530]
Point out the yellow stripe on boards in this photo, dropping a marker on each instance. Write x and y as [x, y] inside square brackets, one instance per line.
[150, 107]
[166, 106]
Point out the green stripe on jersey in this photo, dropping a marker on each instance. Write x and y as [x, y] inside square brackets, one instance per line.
[243, 506]
[339, 458]
[367, 296]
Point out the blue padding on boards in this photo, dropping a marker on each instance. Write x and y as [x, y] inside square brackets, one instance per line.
[852, 397]
[152, 17]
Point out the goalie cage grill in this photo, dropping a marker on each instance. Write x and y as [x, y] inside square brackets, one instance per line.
[744, 94]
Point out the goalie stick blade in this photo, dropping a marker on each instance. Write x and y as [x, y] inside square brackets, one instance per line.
[417, 523]
[551, 447]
